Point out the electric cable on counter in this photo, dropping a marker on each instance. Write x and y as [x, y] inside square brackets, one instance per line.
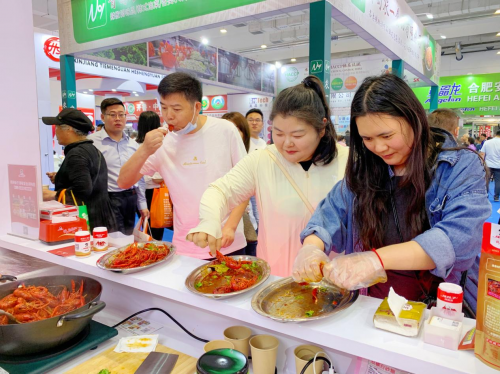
[168, 315]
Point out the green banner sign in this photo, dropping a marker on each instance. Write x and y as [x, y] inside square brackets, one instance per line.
[474, 94]
[99, 19]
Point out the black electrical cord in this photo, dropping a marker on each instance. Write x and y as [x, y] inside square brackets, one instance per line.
[317, 359]
[168, 315]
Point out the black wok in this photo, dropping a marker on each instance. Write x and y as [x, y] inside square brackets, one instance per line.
[35, 337]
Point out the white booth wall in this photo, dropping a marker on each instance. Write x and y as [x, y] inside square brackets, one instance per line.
[20, 135]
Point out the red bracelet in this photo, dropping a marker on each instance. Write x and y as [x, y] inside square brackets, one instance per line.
[375, 251]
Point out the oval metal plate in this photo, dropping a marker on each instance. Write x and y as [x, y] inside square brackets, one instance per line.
[101, 262]
[191, 278]
[267, 300]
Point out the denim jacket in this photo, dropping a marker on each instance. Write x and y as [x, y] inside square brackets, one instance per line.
[456, 203]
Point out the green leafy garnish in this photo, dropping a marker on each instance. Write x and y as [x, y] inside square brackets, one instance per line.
[245, 266]
[309, 313]
[323, 289]
[214, 276]
[223, 263]
[222, 268]
[227, 276]
[299, 297]
[255, 264]
[259, 277]
[104, 371]
[198, 285]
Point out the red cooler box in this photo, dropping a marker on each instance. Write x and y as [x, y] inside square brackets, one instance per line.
[63, 232]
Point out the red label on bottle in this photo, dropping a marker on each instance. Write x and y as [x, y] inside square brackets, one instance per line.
[448, 297]
[100, 235]
[82, 239]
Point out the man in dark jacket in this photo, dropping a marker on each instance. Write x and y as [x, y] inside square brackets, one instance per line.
[83, 173]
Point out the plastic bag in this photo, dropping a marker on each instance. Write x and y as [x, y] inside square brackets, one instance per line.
[142, 236]
[161, 211]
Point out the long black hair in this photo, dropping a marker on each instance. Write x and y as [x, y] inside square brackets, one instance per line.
[307, 102]
[367, 174]
[147, 121]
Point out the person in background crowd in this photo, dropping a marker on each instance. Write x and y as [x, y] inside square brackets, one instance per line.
[255, 119]
[150, 121]
[348, 138]
[249, 221]
[242, 125]
[410, 209]
[491, 154]
[305, 146]
[341, 140]
[444, 119]
[117, 147]
[83, 173]
[489, 138]
[197, 151]
[470, 143]
[133, 135]
[477, 143]
[482, 139]
[99, 127]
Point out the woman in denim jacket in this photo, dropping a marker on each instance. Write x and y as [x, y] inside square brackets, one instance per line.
[410, 211]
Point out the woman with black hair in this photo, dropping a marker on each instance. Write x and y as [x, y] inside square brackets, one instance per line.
[411, 209]
[288, 178]
[150, 121]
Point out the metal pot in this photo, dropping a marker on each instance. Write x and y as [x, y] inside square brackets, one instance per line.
[35, 337]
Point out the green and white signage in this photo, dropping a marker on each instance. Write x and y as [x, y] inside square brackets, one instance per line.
[99, 19]
[473, 94]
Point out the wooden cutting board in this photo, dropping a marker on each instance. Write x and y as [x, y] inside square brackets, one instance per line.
[128, 363]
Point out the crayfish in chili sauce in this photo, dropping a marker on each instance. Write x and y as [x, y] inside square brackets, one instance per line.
[36, 303]
[225, 275]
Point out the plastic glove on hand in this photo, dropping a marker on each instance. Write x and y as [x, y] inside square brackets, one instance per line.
[355, 271]
[308, 264]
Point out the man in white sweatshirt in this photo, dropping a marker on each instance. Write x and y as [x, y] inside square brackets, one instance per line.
[196, 151]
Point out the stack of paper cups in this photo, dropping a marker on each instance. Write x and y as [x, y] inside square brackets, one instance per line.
[450, 297]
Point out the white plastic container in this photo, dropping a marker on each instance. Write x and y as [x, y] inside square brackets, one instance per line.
[82, 243]
[450, 297]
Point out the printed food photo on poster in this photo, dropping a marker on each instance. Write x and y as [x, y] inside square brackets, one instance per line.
[185, 55]
[239, 71]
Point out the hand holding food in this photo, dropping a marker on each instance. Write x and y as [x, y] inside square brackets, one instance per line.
[355, 271]
[154, 140]
[309, 263]
[201, 239]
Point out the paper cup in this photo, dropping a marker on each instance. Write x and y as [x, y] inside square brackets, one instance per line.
[264, 350]
[304, 353]
[239, 336]
[218, 344]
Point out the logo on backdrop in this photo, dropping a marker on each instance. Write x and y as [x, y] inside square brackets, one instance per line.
[96, 13]
[291, 74]
[218, 102]
[52, 49]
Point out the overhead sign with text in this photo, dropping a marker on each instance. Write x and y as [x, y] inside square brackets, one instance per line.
[473, 94]
[392, 28]
[99, 19]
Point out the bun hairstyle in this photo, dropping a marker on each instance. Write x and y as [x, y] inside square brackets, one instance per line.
[307, 102]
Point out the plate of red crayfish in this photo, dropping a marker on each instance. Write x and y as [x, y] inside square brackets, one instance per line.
[136, 257]
[228, 276]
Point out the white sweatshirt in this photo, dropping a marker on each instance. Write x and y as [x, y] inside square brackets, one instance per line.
[283, 214]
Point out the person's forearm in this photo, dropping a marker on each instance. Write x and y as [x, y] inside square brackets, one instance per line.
[235, 216]
[130, 173]
[405, 256]
[314, 240]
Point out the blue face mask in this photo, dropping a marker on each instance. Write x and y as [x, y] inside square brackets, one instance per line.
[189, 127]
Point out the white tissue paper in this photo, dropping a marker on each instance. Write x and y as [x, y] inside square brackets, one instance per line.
[140, 343]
